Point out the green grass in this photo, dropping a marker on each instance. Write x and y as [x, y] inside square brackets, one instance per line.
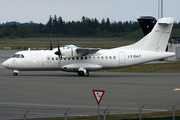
[170, 67]
[145, 116]
[44, 42]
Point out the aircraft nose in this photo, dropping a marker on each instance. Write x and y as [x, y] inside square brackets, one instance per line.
[5, 64]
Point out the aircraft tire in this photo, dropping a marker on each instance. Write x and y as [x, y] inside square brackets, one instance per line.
[80, 73]
[15, 74]
[87, 74]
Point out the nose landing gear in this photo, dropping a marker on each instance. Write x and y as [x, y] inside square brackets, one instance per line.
[15, 72]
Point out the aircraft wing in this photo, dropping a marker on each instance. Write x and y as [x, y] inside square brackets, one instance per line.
[80, 50]
[87, 50]
[69, 51]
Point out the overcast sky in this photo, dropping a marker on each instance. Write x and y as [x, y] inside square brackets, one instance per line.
[39, 11]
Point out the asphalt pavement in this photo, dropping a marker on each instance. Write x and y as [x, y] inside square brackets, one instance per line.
[52, 93]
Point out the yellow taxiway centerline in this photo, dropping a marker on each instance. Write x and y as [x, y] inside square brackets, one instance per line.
[176, 89]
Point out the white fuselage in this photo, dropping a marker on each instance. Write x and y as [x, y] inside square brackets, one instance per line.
[103, 59]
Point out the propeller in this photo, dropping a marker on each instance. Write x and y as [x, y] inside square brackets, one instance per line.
[50, 45]
[58, 53]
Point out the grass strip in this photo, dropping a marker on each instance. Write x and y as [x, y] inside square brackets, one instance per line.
[170, 67]
[145, 116]
[65, 41]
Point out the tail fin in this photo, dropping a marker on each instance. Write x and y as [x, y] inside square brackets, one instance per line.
[158, 38]
[147, 23]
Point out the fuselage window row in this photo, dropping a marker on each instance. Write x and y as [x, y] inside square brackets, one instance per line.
[86, 58]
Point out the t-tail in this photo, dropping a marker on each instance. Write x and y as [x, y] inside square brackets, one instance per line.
[147, 23]
[157, 39]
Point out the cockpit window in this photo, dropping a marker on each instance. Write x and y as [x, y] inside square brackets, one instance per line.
[22, 56]
[14, 56]
[18, 56]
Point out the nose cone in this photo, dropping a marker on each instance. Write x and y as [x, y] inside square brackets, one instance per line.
[5, 64]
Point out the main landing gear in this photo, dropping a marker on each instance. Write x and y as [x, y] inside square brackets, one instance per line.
[15, 72]
[82, 72]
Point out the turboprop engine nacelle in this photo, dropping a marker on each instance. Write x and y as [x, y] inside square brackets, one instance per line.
[70, 52]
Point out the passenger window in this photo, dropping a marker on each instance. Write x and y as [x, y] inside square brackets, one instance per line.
[81, 58]
[114, 57]
[48, 59]
[94, 57]
[56, 58]
[77, 58]
[64, 58]
[72, 58]
[106, 57]
[98, 57]
[52, 58]
[110, 57]
[85, 58]
[90, 58]
[102, 57]
[69, 58]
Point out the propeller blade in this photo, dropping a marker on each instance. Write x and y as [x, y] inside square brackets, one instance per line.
[58, 53]
[50, 45]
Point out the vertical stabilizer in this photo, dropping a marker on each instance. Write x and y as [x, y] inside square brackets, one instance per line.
[158, 38]
[147, 23]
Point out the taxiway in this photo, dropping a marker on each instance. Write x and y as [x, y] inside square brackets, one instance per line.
[52, 93]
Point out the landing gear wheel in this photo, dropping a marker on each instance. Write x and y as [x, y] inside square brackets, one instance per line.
[15, 74]
[80, 73]
[87, 73]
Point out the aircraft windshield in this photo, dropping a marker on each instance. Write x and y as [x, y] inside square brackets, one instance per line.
[18, 56]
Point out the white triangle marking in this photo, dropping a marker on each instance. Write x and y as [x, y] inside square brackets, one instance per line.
[98, 95]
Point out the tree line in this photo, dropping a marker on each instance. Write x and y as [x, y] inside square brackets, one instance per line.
[57, 27]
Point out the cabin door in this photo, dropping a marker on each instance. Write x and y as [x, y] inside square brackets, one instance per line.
[121, 58]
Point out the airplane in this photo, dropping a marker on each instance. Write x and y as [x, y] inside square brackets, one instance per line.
[71, 58]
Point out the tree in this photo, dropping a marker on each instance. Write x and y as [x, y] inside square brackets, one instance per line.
[107, 26]
[86, 27]
[55, 25]
[50, 25]
[61, 26]
[103, 23]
